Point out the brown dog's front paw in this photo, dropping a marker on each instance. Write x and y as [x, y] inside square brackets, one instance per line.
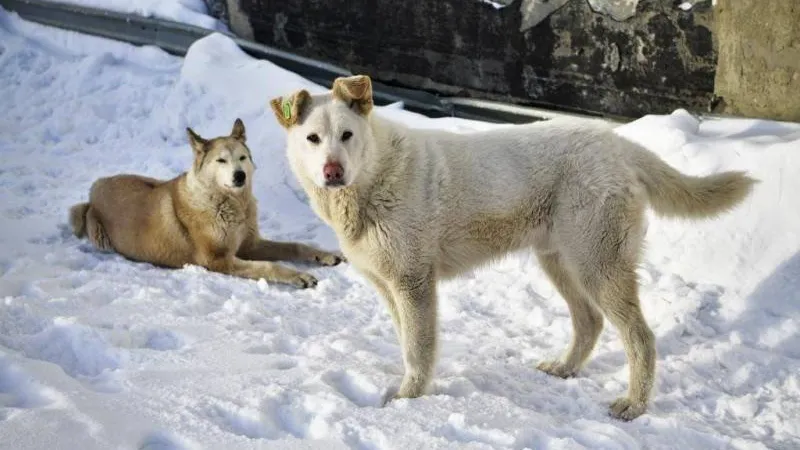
[329, 259]
[303, 281]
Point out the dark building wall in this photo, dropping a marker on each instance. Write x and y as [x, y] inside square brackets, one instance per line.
[660, 59]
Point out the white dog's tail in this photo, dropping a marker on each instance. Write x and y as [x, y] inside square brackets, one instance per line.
[77, 219]
[673, 194]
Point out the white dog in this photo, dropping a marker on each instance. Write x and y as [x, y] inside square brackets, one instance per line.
[411, 207]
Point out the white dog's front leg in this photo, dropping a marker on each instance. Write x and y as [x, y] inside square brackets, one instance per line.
[386, 293]
[415, 300]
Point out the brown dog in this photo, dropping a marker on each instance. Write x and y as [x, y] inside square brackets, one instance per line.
[206, 216]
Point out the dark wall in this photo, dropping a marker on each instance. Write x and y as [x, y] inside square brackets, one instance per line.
[660, 59]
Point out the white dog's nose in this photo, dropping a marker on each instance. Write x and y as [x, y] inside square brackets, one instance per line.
[334, 174]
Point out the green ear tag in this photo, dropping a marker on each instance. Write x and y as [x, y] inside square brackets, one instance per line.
[287, 109]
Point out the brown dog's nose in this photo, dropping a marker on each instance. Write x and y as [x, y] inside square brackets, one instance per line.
[334, 173]
[238, 178]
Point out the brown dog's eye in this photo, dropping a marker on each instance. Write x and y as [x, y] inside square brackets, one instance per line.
[221, 161]
[346, 135]
[313, 138]
[242, 158]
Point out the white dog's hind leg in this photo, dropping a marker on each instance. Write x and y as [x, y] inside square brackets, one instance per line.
[602, 252]
[619, 301]
[613, 286]
[587, 321]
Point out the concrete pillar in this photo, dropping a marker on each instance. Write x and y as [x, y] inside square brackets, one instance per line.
[758, 68]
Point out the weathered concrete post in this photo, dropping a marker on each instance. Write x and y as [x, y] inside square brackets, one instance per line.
[758, 67]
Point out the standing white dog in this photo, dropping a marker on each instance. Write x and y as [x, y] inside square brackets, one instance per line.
[411, 207]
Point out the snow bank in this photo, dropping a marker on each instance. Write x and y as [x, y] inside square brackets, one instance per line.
[192, 12]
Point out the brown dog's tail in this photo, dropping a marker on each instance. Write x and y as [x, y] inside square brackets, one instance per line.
[673, 194]
[77, 219]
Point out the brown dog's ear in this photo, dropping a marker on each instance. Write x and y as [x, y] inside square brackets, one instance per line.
[355, 91]
[288, 109]
[198, 144]
[238, 132]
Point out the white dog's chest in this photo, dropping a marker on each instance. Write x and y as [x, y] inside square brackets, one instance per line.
[364, 255]
[376, 253]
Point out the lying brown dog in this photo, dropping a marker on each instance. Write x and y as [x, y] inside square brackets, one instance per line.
[206, 216]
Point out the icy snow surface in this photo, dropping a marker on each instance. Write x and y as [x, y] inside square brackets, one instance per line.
[192, 12]
[97, 352]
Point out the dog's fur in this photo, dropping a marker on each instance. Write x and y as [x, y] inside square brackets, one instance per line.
[417, 206]
[205, 216]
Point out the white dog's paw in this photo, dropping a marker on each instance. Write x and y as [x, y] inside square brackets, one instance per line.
[557, 368]
[395, 393]
[626, 409]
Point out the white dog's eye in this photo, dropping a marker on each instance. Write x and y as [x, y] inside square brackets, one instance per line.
[313, 138]
[242, 158]
[221, 161]
[346, 135]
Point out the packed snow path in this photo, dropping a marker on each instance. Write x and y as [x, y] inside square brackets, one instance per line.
[97, 352]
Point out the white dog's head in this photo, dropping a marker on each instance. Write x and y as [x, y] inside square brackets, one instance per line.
[328, 135]
[223, 162]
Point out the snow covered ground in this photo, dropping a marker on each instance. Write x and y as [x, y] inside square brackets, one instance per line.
[192, 12]
[97, 352]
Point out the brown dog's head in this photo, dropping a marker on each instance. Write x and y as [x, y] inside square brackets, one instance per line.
[223, 162]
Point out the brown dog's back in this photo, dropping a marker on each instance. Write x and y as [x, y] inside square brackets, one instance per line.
[139, 219]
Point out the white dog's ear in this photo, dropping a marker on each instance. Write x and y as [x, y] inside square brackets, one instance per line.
[238, 132]
[198, 144]
[355, 91]
[288, 109]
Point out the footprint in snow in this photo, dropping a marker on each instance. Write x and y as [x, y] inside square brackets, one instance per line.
[242, 421]
[276, 344]
[457, 430]
[82, 352]
[355, 387]
[274, 361]
[159, 339]
[19, 391]
[278, 416]
[162, 440]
